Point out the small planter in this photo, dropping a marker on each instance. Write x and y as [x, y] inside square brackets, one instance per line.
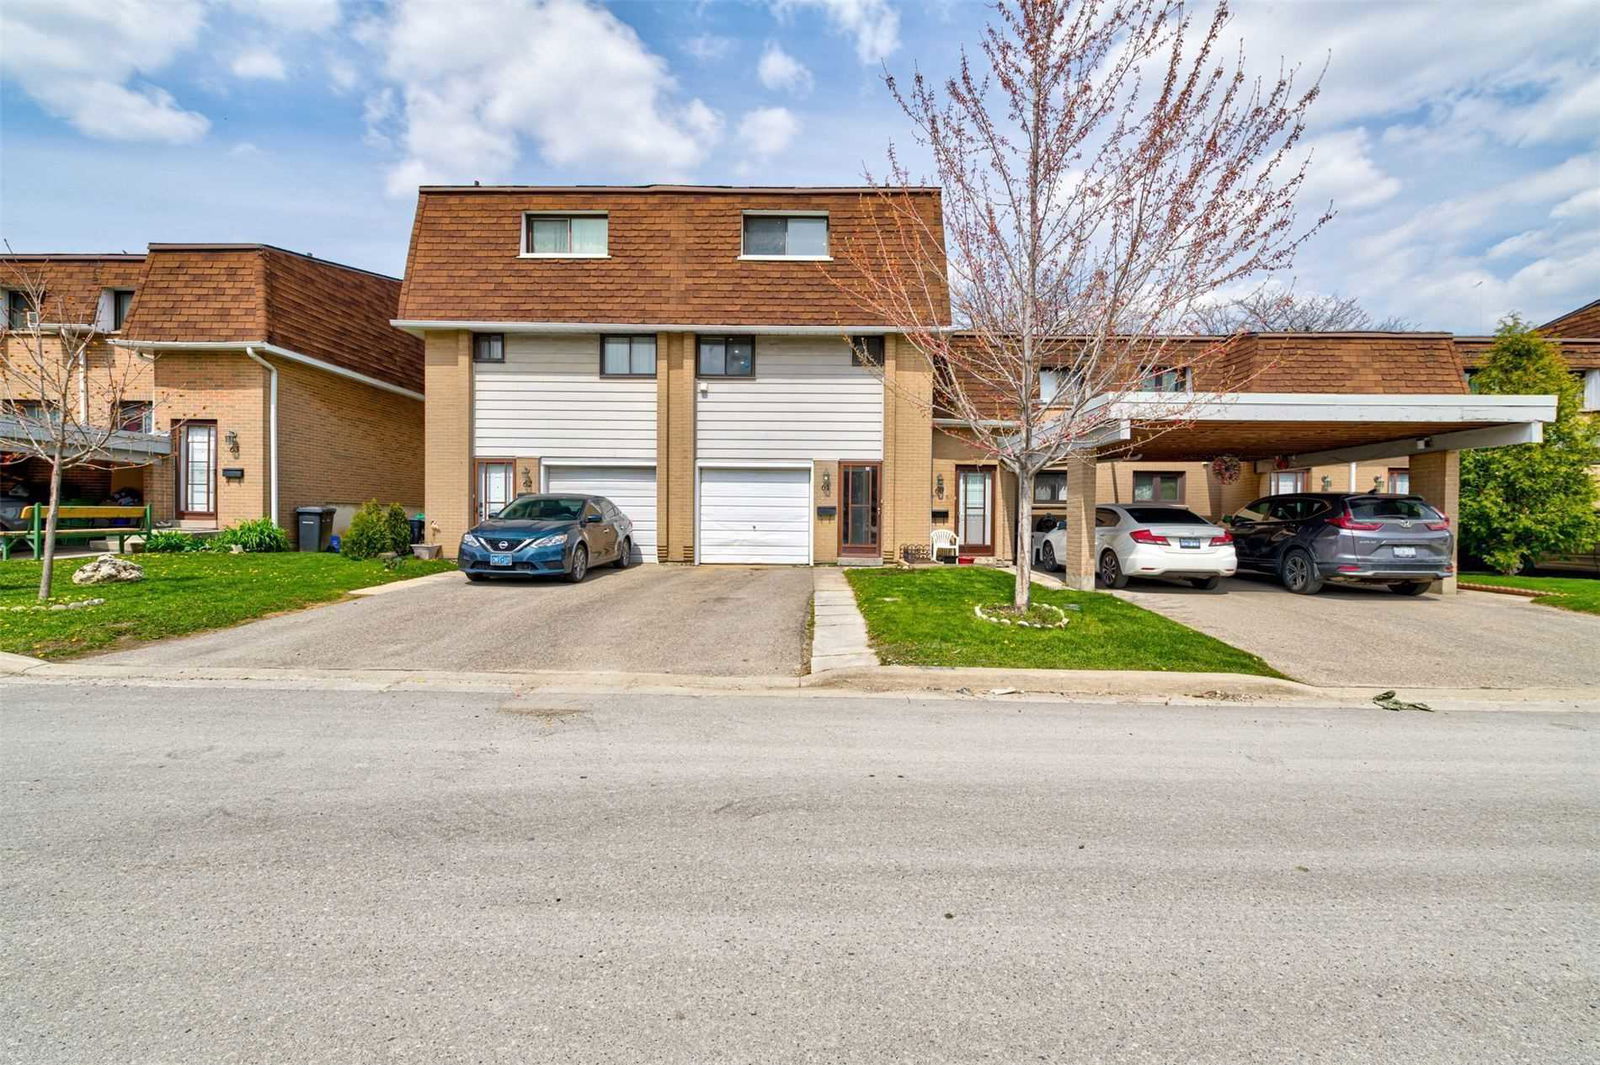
[1041, 616]
[426, 550]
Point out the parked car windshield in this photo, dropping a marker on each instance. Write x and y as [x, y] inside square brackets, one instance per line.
[543, 508]
[1392, 510]
[1165, 516]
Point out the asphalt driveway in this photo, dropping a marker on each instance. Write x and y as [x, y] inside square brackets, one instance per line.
[709, 620]
[1365, 636]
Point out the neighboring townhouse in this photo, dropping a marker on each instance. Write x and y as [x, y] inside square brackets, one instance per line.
[263, 380]
[694, 354]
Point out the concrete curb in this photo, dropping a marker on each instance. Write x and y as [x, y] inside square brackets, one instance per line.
[409, 582]
[1495, 589]
[839, 635]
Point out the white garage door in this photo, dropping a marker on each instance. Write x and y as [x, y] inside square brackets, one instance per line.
[754, 515]
[631, 488]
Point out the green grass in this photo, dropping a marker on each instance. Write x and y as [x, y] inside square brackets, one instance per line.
[1569, 593]
[924, 617]
[180, 594]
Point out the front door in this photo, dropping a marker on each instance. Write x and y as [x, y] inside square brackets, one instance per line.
[975, 510]
[858, 529]
[494, 486]
[197, 470]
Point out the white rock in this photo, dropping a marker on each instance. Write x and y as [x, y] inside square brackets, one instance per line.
[109, 569]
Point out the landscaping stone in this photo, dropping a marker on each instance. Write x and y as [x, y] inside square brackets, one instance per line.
[109, 569]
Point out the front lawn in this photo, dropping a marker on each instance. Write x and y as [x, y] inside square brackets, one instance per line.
[1569, 593]
[180, 594]
[925, 617]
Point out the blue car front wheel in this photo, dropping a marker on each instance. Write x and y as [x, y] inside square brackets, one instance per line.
[580, 564]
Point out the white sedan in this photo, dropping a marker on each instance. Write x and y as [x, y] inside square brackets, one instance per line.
[1150, 540]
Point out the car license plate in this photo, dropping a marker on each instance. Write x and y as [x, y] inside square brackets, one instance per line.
[1405, 552]
[499, 560]
[1188, 543]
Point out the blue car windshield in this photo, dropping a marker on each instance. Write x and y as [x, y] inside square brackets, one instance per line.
[543, 508]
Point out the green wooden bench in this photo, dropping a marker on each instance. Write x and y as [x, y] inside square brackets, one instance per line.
[99, 527]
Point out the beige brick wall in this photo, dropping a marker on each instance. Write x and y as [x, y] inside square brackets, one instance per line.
[345, 442]
[675, 447]
[907, 488]
[825, 489]
[1437, 478]
[229, 389]
[447, 437]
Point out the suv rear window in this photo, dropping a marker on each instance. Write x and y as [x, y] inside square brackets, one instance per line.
[1392, 510]
[1165, 516]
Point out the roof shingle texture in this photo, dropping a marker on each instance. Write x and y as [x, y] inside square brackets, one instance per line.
[674, 258]
[72, 284]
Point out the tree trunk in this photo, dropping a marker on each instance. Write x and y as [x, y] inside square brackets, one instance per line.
[1022, 593]
[47, 571]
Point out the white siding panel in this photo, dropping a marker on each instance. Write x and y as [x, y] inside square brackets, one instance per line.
[805, 401]
[631, 488]
[755, 516]
[548, 398]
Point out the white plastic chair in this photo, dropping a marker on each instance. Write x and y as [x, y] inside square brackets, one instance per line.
[942, 540]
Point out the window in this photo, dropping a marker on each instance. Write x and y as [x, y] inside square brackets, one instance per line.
[1158, 487]
[727, 357]
[1165, 516]
[488, 347]
[1171, 379]
[545, 508]
[17, 309]
[1105, 518]
[572, 236]
[773, 236]
[1285, 481]
[1050, 488]
[1057, 386]
[197, 469]
[38, 413]
[1400, 481]
[121, 304]
[1393, 510]
[628, 356]
[866, 351]
[136, 417]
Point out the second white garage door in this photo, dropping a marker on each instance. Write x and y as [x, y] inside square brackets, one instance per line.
[631, 488]
[755, 515]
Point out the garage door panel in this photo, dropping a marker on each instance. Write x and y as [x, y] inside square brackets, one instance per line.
[760, 516]
[631, 488]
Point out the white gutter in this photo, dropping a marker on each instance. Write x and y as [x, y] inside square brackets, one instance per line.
[419, 326]
[272, 424]
[270, 349]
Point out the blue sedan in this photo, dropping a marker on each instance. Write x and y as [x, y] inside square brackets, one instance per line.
[548, 534]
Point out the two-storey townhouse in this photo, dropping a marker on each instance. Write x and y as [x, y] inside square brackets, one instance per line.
[682, 350]
[258, 380]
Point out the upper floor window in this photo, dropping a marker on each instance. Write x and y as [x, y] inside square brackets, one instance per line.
[18, 309]
[1168, 379]
[785, 236]
[121, 304]
[137, 416]
[574, 236]
[866, 351]
[629, 356]
[1158, 487]
[1058, 386]
[488, 347]
[727, 357]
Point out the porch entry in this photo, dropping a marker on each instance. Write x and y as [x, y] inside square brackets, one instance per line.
[495, 488]
[859, 492]
[197, 470]
[975, 509]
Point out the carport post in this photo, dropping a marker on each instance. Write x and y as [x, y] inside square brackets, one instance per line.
[1077, 556]
[1436, 477]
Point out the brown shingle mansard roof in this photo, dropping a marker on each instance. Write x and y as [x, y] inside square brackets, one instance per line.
[72, 281]
[674, 256]
[1577, 332]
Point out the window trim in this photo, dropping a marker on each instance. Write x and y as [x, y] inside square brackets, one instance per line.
[524, 250]
[654, 353]
[724, 337]
[491, 362]
[116, 326]
[1183, 486]
[825, 257]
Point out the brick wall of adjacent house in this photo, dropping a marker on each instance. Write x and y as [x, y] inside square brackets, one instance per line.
[447, 437]
[675, 447]
[345, 442]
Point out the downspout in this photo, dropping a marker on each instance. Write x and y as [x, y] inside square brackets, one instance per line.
[272, 424]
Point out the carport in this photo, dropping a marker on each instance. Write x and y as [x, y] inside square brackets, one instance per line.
[1279, 430]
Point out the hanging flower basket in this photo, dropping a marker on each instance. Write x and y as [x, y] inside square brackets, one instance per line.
[1039, 616]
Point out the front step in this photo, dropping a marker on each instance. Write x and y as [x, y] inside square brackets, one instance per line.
[860, 560]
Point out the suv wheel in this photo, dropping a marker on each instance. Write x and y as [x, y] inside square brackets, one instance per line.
[1299, 573]
[1111, 574]
[580, 564]
[1411, 587]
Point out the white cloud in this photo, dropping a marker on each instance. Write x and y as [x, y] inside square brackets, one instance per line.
[708, 46]
[780, 71]
[342, 74]
[258, 63]
[475, 79]
[768, 130]
[76, 58]
[293, 16]
[874, 24]
[1342, 170]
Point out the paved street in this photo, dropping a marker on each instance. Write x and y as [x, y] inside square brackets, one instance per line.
[199, 874]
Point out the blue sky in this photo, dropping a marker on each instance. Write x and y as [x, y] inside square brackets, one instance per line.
[1459, 140]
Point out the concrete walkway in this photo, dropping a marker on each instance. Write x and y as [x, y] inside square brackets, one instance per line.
[839, 640]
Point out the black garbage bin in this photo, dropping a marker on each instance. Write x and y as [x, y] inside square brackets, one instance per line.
[315, 525]
[418, 532]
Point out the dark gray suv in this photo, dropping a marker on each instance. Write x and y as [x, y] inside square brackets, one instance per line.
[1310, 538]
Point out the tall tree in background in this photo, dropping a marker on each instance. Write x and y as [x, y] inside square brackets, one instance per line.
[1518, 503]
[1109, 170]
[1274, 310]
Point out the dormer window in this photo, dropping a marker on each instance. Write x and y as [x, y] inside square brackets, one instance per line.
[121, 304]
[1166, 379]
[785, 236]
[565, 236]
